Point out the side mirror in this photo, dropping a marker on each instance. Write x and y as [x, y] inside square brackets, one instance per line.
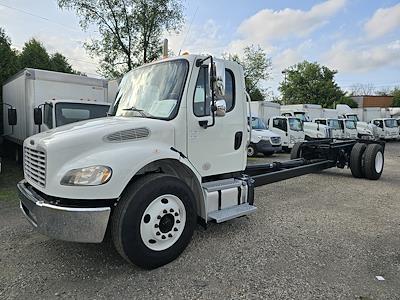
[217, 78]
[12, 116]
[37, 116]
[220, 106]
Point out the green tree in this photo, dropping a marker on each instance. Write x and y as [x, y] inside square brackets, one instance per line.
[34, 55]
[8, 66]
[256, 67]
[346, 100]
[59, 63]
[130, 30]
[310, 83]
[396, 97]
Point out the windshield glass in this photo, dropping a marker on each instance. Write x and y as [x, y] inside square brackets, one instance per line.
[390, 123]
[301, 116]
[67, 113]
[152, 91]
[257, 123]
[333, 123]
[353, 117]
[351, 124]
[295, 124]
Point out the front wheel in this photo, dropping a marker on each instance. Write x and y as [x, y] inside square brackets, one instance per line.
[374, 161]
[251, 151]
[154, 220]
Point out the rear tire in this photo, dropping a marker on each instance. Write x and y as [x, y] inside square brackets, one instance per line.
[296, 151]
[251, 151]
[356, 156]
[154, 220]
[374, 161]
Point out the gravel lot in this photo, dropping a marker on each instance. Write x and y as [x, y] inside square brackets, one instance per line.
[318, 236]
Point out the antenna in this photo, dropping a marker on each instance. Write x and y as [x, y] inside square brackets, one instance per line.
[187, 32]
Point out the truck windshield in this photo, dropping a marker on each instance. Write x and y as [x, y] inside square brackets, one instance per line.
[152, 91]
[351, 124]
[390, 123]
[333, 123]
[295, 124]
[257, 123]
[353, 117]
[67, 113]
[301, 116]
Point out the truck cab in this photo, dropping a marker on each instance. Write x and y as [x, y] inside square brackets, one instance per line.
[262, 140]
[55, 113]
[349, 128]
[387, 128]
[337, 131]
[311, 130]
[290, 130]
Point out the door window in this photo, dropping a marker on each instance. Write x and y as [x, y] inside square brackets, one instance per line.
[280, 124]
[202, 98]
[48, 116]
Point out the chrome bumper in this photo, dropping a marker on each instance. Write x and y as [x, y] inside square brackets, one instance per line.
[85, 225]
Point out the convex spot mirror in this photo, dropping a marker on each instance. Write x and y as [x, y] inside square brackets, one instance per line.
[220, 108]
[12, 116]
[37, 116]
[217, 79]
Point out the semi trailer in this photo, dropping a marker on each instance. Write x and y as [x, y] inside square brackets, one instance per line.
[173, 154]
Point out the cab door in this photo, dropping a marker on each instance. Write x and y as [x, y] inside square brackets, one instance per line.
[221, 148]
[379, 125]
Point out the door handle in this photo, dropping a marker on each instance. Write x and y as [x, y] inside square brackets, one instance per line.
[238, 140]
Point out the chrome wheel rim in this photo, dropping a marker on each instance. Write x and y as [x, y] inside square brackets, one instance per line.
[250, 151]
[379, 162]
[163, 222]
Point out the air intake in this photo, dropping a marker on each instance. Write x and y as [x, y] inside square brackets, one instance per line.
[127, 135]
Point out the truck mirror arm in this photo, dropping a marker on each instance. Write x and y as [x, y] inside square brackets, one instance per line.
[212, 78]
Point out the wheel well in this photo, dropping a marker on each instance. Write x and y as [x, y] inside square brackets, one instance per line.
[175, 168]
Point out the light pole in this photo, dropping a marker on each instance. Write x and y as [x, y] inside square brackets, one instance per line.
[284, 72]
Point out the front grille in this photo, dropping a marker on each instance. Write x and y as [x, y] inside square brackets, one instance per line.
[35, 166]
[275, 140]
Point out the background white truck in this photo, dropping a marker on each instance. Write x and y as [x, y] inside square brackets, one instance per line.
[387, 128]
[262, 140]
[173, 155]
[365, 130]
[61, 98]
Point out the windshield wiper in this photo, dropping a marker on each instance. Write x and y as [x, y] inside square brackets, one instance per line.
[140, 111]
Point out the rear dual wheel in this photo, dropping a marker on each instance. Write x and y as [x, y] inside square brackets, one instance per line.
[367, 161]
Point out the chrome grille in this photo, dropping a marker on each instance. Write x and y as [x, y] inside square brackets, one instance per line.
[35, 166]
[275, 140]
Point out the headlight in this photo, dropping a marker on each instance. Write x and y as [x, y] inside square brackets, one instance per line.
[94, 175]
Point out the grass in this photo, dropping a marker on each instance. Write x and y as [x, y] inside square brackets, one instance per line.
[10, 175]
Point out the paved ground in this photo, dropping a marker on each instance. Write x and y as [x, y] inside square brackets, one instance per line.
[320, 236]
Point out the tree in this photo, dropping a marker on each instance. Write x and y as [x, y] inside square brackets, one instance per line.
[59, 63]
[361, 89]
[347, 100]
[310, 83]
[257, 68]
[34, 55]
[396, 97]
[130, 30]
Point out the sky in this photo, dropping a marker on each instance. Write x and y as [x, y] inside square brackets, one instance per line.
[360, 39]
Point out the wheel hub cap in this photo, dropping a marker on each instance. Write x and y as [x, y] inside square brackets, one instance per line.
[163, 222]
[378, 162]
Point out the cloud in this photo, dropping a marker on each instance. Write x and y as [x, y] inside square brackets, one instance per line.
[383, 21]
[268, 24]
[347, 57]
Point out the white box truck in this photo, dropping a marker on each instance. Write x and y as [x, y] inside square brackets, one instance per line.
[165, 162]
[54, 98]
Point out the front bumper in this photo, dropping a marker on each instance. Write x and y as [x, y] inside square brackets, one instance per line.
[85, 225]
[267, 147]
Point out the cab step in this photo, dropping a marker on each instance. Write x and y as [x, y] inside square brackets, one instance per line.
[231, 212]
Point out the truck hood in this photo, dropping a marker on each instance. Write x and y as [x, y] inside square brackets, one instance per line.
[264, 133]
[90, 133]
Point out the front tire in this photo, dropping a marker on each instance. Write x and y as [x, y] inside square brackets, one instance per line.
[296, 151]
[154, 220]
[374, 161]
[356, 160]
[251, 151]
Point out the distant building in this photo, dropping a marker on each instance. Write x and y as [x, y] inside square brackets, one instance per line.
[373, 101]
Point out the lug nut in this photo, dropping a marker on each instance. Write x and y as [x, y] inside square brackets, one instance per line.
[164, 211]
[155, 225]
[170, 235]
[158, 233]
[176, 214]
[177, 221]
[159, 217]
[163, 237]
[171, 210]
[175, 229]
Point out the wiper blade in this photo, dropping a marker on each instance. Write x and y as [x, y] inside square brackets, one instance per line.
[140, 111]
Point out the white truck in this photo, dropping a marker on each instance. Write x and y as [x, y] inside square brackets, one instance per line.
[388, 128]
[309, 111]
[333, 124]
[173, 155]
[55, 98]
[364, 130]
[262, 140]
[290, 129]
